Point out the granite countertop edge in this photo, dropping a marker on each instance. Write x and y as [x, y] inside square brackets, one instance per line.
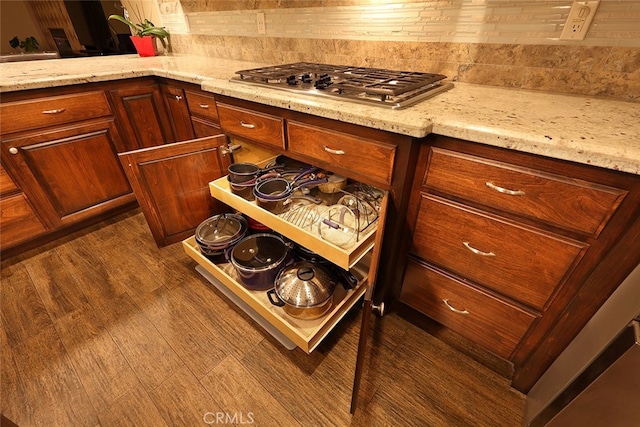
[594, 131]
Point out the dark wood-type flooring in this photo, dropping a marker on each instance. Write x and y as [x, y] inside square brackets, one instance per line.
[103, 328]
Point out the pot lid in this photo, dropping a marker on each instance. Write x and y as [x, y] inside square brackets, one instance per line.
[259, 251]
[305, 284]
[220, 229]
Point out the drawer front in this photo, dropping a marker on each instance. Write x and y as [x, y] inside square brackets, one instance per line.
[522, 263]
[54, 110]
[365, 157]
[18, 221]
[566, 203]
[484, 319]
[203, 106]
[253, 125]
[6, 183]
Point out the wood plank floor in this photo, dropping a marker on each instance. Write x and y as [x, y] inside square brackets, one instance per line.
[104, 329]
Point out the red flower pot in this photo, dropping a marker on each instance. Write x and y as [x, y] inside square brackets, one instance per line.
[145, 45]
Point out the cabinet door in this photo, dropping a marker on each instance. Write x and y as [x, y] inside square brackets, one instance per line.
[179, 118]
[142, 115]
[69, 174]
[18, 221]
[171, 183]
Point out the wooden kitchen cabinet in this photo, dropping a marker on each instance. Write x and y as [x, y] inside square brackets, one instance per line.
[504, 243]
[18, 220]
[69, 172]
[204, 114]
[254, 125]
[364, 157]
[179, 117]
[171, 185]
[306, 334]
[171, 181]
[140, 107]
[63, 160]
[382, 159]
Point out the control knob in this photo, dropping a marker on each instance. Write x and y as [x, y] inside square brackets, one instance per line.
[291, 80]
[323, 82]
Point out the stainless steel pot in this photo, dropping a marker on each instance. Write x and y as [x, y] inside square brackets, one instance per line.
[304, 289]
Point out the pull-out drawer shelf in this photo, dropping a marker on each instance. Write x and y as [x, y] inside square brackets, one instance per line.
[306, 334]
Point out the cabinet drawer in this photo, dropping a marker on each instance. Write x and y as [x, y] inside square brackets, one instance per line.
[522, 263]
[363, 156]
[306, 334]
[18, 221]
[253, 125]
[6, 183]
[484, 319]
[563, 202]
[202, 105]
[54, 110]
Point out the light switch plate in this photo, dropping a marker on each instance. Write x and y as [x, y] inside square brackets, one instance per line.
[261, 23]
[579, 19]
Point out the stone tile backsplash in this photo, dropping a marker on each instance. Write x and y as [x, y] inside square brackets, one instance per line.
[490, 42]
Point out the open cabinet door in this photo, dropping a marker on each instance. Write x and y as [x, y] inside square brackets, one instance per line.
[368, 306]
[171, 183]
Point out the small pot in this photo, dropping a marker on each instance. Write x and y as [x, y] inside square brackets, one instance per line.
[258, 258]
[242, 189]
[244, 172]
[214, 235]
[279, 189]
[304, 289]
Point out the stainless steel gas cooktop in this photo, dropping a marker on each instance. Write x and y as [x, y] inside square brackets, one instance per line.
[373, 86]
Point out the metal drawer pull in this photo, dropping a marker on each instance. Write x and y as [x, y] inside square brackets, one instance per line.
[477, 251]
[332, 151]
[503, 190]
[204, 105]
[178, 98]
[455, 310]
[247, 125]
[57, 111]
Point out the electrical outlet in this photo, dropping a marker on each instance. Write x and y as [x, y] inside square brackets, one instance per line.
[262, 28]
[579, 19]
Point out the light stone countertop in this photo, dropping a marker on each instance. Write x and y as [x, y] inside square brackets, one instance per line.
[593, 131]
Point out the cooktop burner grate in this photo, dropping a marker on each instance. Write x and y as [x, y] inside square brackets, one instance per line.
[391, 88]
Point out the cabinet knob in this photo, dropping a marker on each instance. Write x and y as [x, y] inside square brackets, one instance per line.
[178, 98]
[13, 150]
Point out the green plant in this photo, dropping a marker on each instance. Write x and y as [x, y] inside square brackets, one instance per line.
[30, 44]
[144, 28]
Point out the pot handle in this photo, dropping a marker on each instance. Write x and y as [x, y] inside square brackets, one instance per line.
[274, 298]
[349, 280]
